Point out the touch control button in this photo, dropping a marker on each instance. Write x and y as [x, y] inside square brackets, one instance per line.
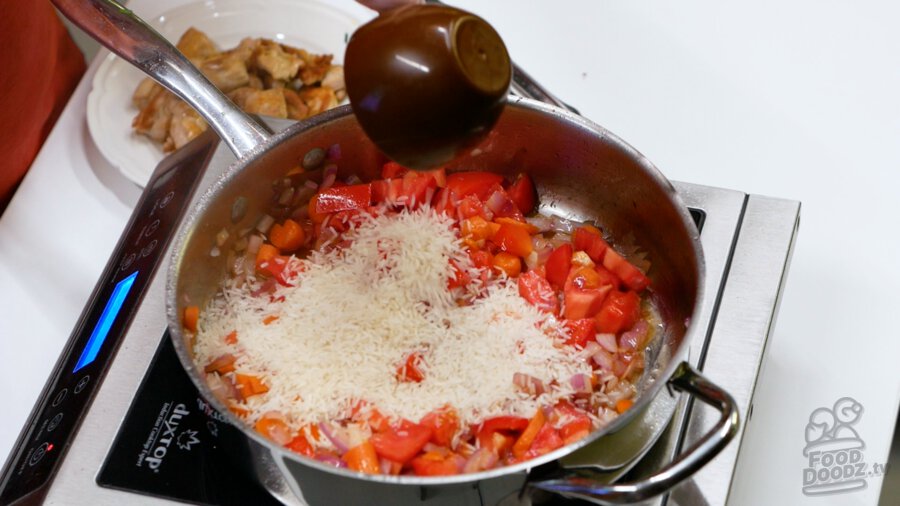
[54, 423]
[82, 383]
[38, 454]
[60, 396]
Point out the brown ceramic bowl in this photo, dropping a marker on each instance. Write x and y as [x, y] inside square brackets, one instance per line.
[426, 82]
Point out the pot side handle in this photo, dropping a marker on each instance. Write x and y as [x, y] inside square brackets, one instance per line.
[126, 35]
[690, 381]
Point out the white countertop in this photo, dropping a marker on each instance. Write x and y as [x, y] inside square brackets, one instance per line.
[796, 100]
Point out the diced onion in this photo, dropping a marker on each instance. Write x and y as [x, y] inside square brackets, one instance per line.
[589, 349]
[221, 237]
[604, 360]
[334, 152]
[330, 459]
[581, 384]
[329, 177]
[333, 437]
[481, 460]
[632, 339]
[265, 223]
[500, 204]
[608, 341]
[286, 196]
[543, 223]
[253, 245]
[528, 384]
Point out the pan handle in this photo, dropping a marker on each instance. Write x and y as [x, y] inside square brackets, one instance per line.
[690, 381]
[125, 34]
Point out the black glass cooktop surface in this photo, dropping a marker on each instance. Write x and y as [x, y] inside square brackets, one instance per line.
[172, 444]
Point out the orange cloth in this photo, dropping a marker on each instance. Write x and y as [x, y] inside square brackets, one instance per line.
[40, 66]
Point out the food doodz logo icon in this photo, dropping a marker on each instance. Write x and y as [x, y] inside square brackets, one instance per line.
[834, 450]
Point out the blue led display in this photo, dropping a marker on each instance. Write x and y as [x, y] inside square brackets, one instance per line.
[101, 330]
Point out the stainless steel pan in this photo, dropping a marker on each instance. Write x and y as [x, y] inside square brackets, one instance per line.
[582, 172]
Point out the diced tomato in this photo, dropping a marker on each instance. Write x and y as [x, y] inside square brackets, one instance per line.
[519, 222]
[362, 412]
[629, 274]
[505, 423]
[589, 240]
[287, 236]
[479, 184]
[501, 424]
[190, 318]
[439, 175]
[386, 191]
[513, 239]
[276, 267]
[362, 458]
[580, 331]
[443, 424]
[444, 202]
[623, 405]
[538, 292]
[343, 198]
[478, 228]
[558, 264]
[584, 277]
[249, 385]
[274, 428]
[410, 370]
[482, 259]
[606, 277]
[576, 423]
[392, 169]
[470, 206]
[522, 193]
[222, 364]
[436, 464]
[418, 189]
[545, 441]
[460, 278]
[619, 312]
[265, 253]
[584, 303]
[523, 443]
[314, 215]
[301, 445]
[510, 264]
[402, 444]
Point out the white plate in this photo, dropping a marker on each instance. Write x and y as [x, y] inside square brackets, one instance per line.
[315, 26]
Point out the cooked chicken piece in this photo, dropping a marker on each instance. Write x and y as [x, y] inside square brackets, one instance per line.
[260, 75]
[245, 49]
[154, 118]
[318, 99]
[334, 79]
[256, 82]
[314, 65]
[185, 125]
[144, 92]
[227, 71]
[264, 102]
[269, 82]
[271, 57]
[296, 109]
[196, 45]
